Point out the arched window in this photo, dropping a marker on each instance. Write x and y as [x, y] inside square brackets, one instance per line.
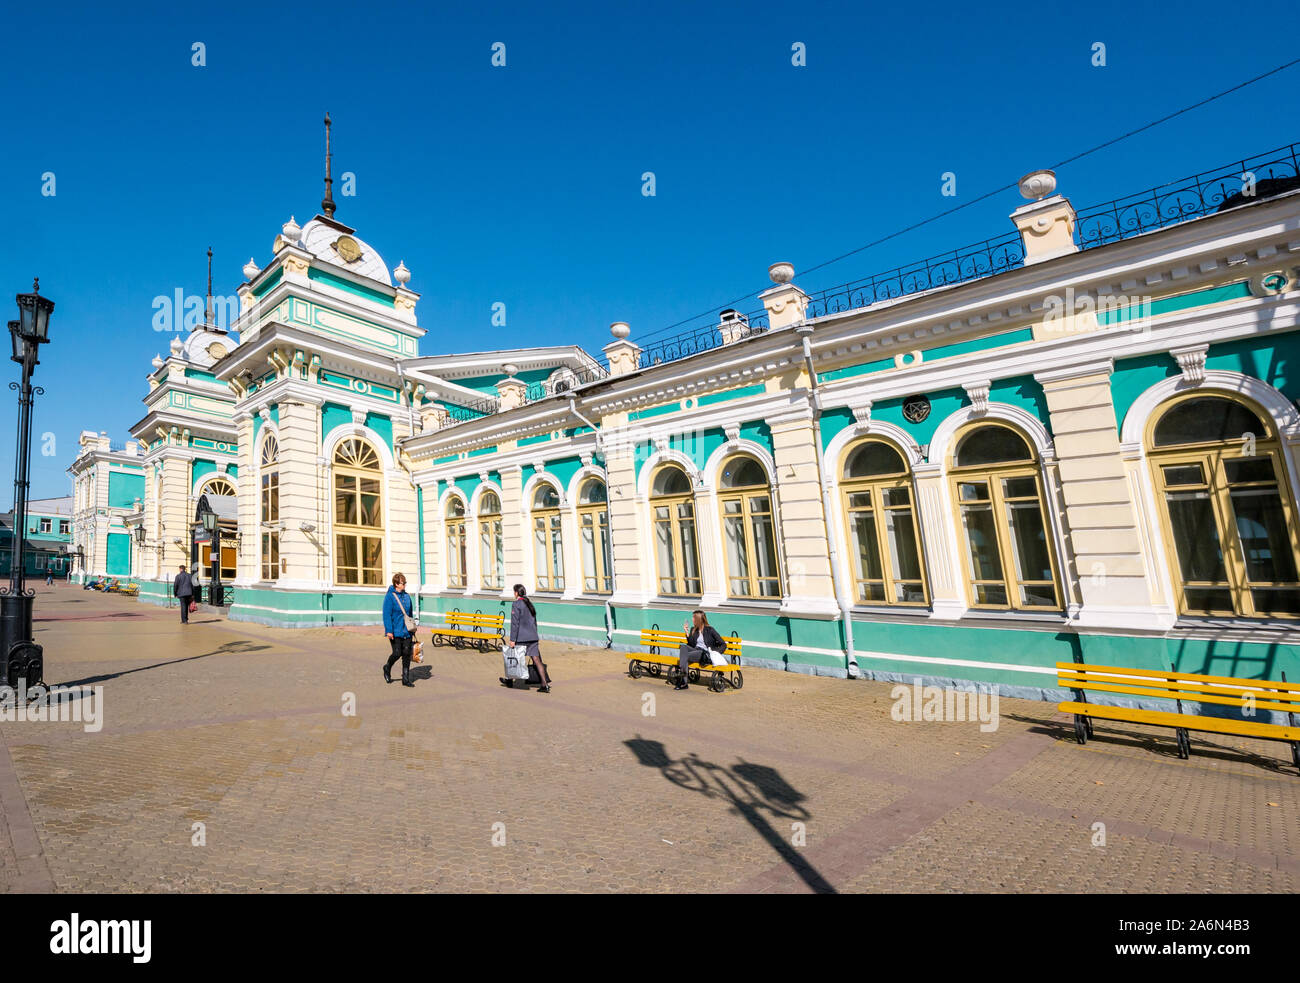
[548, 542]
[593, 529]
[358, 515]
[1227, 509]
[455, 542]
[999, 497]
[270, 503]
[491, 546]
[219, 485]
[745, 500]
[677, 554]
[884, 543]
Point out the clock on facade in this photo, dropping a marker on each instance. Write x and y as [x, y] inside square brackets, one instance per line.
[347, 247]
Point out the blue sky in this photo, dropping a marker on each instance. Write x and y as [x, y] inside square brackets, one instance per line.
[522, 184]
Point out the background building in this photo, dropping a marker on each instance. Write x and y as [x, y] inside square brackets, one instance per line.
[108, 486]
[49, 532]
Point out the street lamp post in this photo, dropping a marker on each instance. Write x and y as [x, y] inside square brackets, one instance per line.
[214, 554]
[23, 658]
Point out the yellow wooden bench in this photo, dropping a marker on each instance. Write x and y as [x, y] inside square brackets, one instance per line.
[1247, 695]
[655, 662]
[130, 590]
[477, 630]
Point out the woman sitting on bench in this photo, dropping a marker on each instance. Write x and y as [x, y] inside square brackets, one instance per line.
[702, 639]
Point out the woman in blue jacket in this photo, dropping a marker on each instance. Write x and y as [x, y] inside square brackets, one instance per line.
[397, 608]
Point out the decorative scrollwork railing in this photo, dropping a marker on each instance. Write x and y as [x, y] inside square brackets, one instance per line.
[566, 380]
[1190, 197]
[972, 262]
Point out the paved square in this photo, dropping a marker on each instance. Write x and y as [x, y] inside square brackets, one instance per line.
[791, 784]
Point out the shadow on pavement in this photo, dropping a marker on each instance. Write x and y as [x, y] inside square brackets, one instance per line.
[230, 648]
[751, 789]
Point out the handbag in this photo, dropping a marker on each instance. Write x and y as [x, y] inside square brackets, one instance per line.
[516, 660]
[416, 652]
[193, 607]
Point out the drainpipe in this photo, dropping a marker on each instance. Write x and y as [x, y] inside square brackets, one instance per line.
[600, 446]
[410, 476]
[573, 408]
[804, 331]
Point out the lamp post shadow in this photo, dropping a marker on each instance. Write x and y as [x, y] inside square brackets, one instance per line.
[750, 789]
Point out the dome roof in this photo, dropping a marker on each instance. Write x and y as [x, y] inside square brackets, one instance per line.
[320, 237]
[206, 348]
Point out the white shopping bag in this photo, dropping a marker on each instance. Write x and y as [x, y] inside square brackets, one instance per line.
[516, 659]
[717, 658]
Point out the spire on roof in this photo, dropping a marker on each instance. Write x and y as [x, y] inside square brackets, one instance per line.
[327, 203]
[209, 315]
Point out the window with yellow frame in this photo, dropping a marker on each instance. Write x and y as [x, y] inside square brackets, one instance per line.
[997, 488]
[491, 545]
[455, 528]
[748, 533]
[884, 542]
[548, 539]
[677, 553]
[593, 531]
[270, 507]
[1226, 508]
[358, 515]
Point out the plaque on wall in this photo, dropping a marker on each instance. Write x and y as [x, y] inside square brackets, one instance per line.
[916, 408]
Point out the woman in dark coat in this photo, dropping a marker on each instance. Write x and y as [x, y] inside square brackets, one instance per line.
[523, 631]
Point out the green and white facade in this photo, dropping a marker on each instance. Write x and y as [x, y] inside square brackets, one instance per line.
[107, 487]
[969, 482]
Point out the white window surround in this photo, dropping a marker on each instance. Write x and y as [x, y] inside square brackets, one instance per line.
[473, 543]
[941, 448]
[572, 494]
[325, 527]
[902, 441]
[1280, 412]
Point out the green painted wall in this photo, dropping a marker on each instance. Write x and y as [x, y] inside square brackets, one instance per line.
[124, 489]
[1021, 391]
[333, 415]
[383, 426]
[118, 555]
[700, 445]
[1276, 362]
[200, 468]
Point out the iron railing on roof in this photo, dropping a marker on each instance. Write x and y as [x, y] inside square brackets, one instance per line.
[701, 338]
[972, 262]
[1176, 201]
[1190, 197]
[565, 380]
[471, 410]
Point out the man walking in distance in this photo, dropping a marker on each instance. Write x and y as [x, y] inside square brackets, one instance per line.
[183, 588]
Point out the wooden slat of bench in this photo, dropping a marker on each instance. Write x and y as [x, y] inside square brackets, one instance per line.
[475, 619]
[1174, 693]
[671, 660]
[1186, 691]
[1161, 718]
[675, 638]
[465, 633]
[1170, 674]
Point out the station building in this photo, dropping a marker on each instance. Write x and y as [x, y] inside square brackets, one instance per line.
[1075, 440]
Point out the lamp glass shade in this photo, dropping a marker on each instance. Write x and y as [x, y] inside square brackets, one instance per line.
[16, 336]
[209, 520]
[34, 315]
[139, 535]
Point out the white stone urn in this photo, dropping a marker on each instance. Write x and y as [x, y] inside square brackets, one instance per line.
[781, 272]
[1037, 184]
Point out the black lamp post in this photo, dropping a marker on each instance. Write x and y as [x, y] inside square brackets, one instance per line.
[214, 554]
[23, 658]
